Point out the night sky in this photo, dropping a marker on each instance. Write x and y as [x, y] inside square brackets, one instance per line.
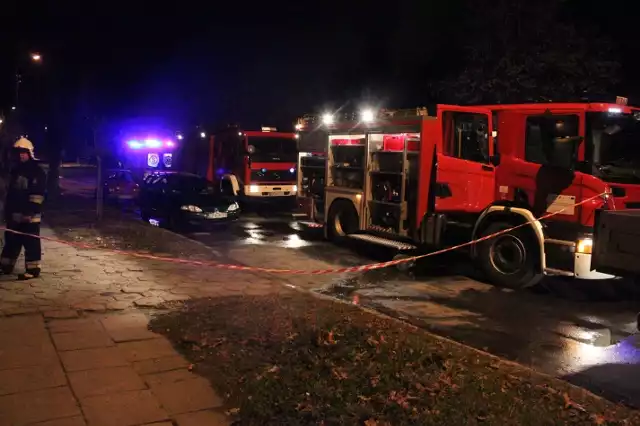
[210, 62]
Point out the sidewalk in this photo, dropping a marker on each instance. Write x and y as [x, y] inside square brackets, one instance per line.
[75, 348]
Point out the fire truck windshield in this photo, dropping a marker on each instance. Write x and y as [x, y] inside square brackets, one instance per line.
[615, 143]
[274, 149]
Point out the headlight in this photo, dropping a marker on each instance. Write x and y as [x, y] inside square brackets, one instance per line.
[295, 188]
[233, 207]
[584, 246]
[253, 188]
[192, 209]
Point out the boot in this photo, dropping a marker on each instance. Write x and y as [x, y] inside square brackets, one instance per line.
[29, 274]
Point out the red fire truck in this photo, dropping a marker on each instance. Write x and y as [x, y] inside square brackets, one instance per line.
[260, 164]
[415, 181]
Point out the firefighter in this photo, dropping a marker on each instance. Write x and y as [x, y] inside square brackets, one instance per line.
[25, 195]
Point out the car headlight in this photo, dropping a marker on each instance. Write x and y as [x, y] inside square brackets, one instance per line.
[233, 207]
[253, 188]
[295, 188]
[584, 246]
[192, 209]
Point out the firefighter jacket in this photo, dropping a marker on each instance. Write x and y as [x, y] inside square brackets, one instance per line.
[25, 193]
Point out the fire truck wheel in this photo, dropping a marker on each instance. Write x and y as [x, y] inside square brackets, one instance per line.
[342, 220]
[510, 259]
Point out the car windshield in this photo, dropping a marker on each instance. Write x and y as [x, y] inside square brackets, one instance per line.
[273, 148]
[616, 144]
[192, 184]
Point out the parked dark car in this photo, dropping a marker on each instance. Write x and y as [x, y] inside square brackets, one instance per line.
[119, 185]
[181, 201]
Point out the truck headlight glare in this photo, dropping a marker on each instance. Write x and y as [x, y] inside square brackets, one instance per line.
[584, 246]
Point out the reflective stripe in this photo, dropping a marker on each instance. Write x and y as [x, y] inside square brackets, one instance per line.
[32, 265]
[37, 199]
[5, 261]
[36, 219]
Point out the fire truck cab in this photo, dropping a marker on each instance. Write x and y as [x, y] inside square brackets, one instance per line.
[416, 182]
[260, 165]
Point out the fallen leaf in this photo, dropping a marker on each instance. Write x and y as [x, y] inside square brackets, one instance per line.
[598, 419]
[232, 411]
[190, 367]
[568, 403]
[371, 422]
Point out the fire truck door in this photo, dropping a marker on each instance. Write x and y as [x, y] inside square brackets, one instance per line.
[466, 177]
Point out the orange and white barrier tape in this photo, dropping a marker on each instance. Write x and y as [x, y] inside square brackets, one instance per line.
[300, 271]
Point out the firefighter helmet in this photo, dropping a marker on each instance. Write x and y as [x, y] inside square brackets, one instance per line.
[24, 143]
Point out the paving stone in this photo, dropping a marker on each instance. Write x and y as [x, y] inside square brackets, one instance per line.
[81, 340]
[203, 418]
[127, 297]
[87, 359]
[20, 310]
[146, 349]
[123, 409]
[169, 377]
[131, 334]
[90, 306]
[168, 297]
[157, 365]
[118, 306]
[135, 289]
[15, 297]
[104, 381]
[112, 322]
[27, 337]
[148, 302]
[74, 325]
[37, 406]
[17, 324]
[186, 396]
[31, 378]
[27, 356]
[13, 285]
[61, 314]
[69, 421]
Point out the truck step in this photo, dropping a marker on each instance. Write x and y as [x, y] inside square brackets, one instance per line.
[309, 224]
[399, 245]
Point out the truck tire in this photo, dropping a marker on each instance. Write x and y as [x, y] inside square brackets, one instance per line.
[511, 259]
[342, 221]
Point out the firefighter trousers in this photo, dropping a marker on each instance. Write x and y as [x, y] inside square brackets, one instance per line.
[13, 244]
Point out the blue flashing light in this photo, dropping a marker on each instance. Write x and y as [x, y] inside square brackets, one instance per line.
[292, 170]
[263, 170]
[153, 143]
[135, 144]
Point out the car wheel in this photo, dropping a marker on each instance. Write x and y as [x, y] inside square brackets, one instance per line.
[510, 259]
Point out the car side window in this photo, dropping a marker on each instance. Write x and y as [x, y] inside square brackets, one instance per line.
[560, 125]
[466, 136]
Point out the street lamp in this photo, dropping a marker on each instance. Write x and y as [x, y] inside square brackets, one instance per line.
[36, 57]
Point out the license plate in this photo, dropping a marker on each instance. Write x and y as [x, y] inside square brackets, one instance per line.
[276, 194]
[216, 215]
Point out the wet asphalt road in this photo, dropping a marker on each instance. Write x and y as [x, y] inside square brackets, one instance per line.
[581, 331]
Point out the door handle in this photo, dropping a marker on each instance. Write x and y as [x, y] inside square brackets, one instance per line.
[487, 168]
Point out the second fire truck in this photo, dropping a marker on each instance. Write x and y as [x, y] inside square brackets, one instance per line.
[417, 181]
[259, 165]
